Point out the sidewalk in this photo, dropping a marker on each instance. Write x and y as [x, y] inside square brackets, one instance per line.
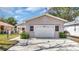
[17, 38]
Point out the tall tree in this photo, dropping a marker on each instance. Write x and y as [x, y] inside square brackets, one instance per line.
[68, 13]
[2, 19]
[11, 21]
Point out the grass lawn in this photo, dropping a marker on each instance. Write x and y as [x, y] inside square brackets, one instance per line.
[6, 43]
[4, 36]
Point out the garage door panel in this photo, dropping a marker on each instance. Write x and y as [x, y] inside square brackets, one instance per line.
[44, 30]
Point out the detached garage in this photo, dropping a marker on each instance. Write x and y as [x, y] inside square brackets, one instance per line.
[44, 26]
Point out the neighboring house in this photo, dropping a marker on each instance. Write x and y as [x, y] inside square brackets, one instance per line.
[43, 26]
[4, 27]
[72, 28]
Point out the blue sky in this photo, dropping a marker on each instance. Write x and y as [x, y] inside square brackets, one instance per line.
[21, 13]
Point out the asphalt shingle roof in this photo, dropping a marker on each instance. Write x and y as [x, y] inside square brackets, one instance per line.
[72, 23]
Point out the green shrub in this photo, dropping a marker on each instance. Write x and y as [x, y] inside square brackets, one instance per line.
[24, 35]
[62, 35]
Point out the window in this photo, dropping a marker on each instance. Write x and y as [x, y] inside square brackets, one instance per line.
[56, 28]
[31, 28]
[23, 29]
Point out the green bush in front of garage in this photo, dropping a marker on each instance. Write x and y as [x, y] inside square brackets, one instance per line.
[24, 35]
[62, 35]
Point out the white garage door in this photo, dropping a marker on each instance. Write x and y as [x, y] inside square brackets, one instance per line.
[44, 30]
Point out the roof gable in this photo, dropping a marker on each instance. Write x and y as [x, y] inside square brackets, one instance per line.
[41, 16]
[49, 16]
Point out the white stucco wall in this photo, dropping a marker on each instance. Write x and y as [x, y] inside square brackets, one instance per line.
[72, 31]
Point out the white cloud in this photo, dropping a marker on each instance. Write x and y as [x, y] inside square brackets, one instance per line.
[18, 11]
[43, 11]
[6, 10]
[21, 11]
[16, 16]
[32, 9]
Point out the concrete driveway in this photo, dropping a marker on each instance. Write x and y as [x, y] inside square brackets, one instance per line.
[45, 45]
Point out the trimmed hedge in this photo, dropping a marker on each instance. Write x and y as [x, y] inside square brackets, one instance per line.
[62, 35]
[24, 35]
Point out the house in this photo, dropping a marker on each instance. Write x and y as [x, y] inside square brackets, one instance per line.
[4, 27]
[72, 28]
[43, 26]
